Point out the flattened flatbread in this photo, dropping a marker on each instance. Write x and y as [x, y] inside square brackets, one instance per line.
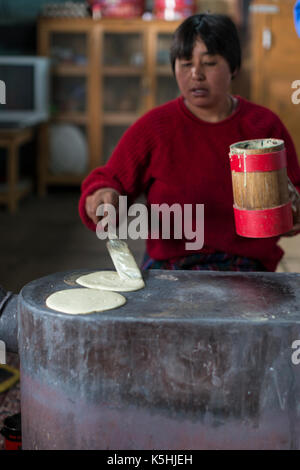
[110, 280]
[83, 301]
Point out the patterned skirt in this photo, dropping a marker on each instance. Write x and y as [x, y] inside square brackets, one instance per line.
[205, 262]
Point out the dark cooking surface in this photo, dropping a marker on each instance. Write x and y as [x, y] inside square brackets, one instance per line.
[182, 295]
[196, 360]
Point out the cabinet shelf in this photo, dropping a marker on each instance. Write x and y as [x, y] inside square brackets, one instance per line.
[119, 119]
[164, 70]
[117, 71]
[70, 70]
[76, 118]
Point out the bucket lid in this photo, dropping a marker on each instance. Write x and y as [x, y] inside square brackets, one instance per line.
[257, 146]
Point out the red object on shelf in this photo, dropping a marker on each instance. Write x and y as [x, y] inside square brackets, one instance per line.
[174, 9]
[117, 8]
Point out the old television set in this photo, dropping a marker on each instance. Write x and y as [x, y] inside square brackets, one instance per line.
[25, 84]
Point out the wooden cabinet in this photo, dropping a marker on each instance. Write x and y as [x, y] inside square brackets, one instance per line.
[276, 61]
[105, 74]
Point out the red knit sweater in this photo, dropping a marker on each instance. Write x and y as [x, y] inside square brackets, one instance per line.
[174, 157]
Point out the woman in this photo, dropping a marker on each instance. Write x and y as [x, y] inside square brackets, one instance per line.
[178, 153]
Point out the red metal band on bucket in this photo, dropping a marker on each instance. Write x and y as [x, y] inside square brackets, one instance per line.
[263, 223]
[259, 162]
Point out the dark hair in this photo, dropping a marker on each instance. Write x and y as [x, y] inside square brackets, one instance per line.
[218, 32]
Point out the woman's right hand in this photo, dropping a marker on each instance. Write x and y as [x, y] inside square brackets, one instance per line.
[101, 196]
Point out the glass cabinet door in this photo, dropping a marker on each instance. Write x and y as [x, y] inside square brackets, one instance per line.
[166, 87]
[122, 95]
[68, 94]
[122, 82]
[69, 103]
[112, 135]
[68, 52]
[69, 48]
[123, 49]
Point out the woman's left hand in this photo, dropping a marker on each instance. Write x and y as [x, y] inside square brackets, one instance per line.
[295, 200]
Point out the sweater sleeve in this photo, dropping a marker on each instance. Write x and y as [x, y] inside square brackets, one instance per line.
[127, 170]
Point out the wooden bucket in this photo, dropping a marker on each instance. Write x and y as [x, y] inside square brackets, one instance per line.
[260, 188]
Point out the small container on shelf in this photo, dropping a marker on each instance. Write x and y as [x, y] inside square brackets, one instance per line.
[117, 8]
[174, 9]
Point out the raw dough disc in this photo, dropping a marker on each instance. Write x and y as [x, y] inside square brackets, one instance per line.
[80, 300]
[109, 280]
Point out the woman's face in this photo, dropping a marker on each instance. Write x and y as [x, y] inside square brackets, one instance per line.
[204, 80]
